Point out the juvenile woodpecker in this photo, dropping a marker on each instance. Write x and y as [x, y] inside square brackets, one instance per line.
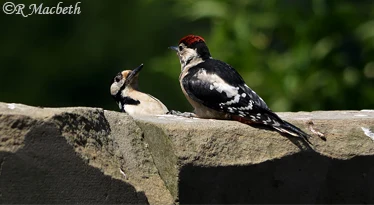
[216, 90]
[124, 89]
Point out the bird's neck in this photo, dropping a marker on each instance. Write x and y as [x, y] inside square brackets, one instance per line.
[134, 84]
[191, 63]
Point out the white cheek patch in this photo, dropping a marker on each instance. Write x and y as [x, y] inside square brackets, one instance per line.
[116, 86]
[217, 83]
[114, 89]
[189, 57]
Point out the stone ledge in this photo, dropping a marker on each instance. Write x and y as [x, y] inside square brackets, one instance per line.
[182, 147]
[74, 155]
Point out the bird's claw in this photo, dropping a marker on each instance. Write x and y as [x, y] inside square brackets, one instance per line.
[181, 114]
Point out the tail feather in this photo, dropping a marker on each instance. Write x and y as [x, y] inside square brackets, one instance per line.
[283, 126]
[291, 129]
[268, 118]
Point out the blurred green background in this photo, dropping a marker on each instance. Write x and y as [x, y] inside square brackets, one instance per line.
[296, 54]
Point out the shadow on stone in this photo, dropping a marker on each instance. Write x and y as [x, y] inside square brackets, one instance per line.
[301, 178]
[47, 170]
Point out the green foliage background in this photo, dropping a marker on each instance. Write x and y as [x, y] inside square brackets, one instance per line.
[298, 55]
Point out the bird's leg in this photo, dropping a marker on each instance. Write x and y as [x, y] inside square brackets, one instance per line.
[181, 114]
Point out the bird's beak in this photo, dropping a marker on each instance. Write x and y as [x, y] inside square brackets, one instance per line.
[174, 48]
[137, 70]
[133, 74]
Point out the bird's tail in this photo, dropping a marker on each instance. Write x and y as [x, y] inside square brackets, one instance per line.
[291, 129]
[268, 118]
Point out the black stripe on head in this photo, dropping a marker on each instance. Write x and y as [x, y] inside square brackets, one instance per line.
[116, 78]
[202, 49]
[114, 81]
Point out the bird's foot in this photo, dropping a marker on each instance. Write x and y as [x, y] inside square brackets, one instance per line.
[181, 114]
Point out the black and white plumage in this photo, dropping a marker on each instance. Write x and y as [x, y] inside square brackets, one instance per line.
[124, 90]
[216, 90]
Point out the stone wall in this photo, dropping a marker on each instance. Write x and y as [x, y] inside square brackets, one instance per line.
[88, 155]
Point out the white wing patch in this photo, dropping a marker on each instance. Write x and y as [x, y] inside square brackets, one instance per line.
[232, 92]
[218, 83]
[233, 101]
[248, 107]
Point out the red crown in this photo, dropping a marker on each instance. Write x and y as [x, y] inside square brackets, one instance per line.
[190, 39]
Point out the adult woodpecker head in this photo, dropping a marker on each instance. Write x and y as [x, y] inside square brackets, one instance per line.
[191, 51]
[123, 80]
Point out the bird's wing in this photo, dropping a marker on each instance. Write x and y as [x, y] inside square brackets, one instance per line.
[221, 88]
[160, 104]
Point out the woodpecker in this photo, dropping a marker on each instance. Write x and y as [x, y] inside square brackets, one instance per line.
[124, 90]
[216, 90]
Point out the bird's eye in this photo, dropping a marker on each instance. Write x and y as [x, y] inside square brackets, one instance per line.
[118, 78]
[180, 48]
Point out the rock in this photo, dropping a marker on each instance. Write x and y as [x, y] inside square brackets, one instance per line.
[216, 161]
[75, 155]
[88, 155]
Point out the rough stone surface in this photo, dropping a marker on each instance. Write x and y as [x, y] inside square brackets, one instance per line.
[88, 155]
[215, 161]
[75, 155]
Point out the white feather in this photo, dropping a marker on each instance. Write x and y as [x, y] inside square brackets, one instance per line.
[218, 84]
